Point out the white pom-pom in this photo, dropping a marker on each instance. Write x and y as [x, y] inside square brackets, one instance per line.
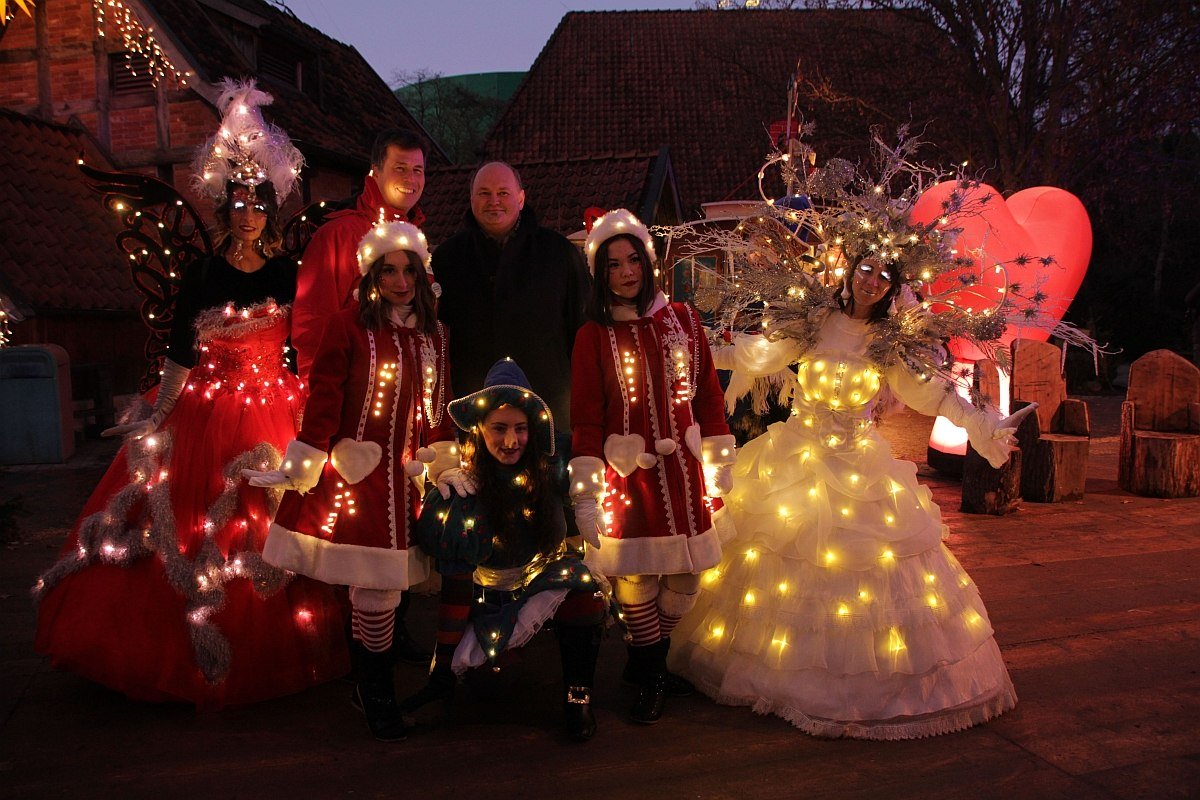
[426, 455]
[413, 468]
[645, 460]
[664, 447]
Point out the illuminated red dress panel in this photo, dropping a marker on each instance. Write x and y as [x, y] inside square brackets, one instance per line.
[161, 591]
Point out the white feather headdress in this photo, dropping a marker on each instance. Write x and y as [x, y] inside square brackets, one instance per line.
[246, 149]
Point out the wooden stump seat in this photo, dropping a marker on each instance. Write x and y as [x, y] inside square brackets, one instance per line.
[1160, 428]
[986, 490]
[1054, 440]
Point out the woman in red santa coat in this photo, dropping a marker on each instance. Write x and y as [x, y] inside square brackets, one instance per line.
[648, 422]
[375, 416]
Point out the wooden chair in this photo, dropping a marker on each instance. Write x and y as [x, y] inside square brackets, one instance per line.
[1160, 428]
[986, 490]
[1054, 440]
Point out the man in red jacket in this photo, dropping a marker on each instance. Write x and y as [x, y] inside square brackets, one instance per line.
[329, 269]
[329, 274]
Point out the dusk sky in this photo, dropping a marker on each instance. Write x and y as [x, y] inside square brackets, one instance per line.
[451, 37]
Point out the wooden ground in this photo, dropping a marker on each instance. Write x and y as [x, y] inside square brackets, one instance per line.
[1096, 607]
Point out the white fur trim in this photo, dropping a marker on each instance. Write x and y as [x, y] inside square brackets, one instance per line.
[344, 564]
[446, 455]
[530, 618]
[664, 447]
[587, 476]
[355, 460]
[613, 223]
[692, 438]
[657, 555]
[621, 452]
[302, 464]
[675, 604]
[718, 450]
[374, 599]
[388, 237]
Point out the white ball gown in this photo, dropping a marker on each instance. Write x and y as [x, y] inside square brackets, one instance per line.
[837, 606]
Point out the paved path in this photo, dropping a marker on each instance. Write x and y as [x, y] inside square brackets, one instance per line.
[1096, 607]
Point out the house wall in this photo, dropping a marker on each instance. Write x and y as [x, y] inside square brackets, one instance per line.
[55, 67]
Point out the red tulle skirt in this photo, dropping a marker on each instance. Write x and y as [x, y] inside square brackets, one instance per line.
[160, 591]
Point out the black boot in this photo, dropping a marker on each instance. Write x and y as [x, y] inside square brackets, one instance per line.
[375, 693]
[404, 648]
[440, 687]
[651, 662]
[579, 646]
[677, 685]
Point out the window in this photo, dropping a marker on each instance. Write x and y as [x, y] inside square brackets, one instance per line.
[129, 73]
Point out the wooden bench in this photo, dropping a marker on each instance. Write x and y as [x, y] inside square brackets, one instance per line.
[1054, 439]
[1160, 428]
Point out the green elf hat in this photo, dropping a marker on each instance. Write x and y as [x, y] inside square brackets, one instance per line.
[506, 385]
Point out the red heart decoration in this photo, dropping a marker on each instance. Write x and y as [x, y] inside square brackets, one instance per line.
[1033, 224]
[1043, 222]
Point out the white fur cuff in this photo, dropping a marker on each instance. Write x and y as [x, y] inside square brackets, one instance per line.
[446, 455]
[587, 476]
[302, 464]
[718, 450]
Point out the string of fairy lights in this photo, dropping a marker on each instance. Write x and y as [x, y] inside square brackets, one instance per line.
[136, 40]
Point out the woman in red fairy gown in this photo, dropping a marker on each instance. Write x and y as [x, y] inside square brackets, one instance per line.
[161, 591]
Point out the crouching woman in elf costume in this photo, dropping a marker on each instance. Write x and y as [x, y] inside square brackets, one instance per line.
[373, 420]
[648, 422]
[502, 552]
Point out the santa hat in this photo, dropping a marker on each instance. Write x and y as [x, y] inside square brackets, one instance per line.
[388, 237]
[506, 385]
[612, 224]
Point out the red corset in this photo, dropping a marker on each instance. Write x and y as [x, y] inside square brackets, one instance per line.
[242, 350]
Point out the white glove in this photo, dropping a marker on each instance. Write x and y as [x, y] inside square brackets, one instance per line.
[455, 478]
[717, 455]
[132, 430]
[991, 436]
[587, 491]
[589, 518]
[170, 387]
[300, 470]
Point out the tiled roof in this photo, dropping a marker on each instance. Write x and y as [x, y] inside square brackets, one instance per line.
[56, 239]
[708, 84]
[342, 118]
[558, 190]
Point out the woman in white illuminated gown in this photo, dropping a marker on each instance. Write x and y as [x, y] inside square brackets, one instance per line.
[837, 606]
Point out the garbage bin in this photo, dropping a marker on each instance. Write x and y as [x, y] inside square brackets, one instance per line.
[36, 425]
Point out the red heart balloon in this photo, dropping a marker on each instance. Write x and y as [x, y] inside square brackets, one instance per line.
[1032, 225]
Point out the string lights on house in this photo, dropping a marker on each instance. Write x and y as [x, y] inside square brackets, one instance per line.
[136, 40]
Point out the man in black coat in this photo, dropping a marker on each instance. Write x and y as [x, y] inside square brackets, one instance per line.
[510, 288]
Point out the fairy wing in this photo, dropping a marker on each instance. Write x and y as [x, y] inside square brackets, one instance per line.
[299, 230]
[163, 236]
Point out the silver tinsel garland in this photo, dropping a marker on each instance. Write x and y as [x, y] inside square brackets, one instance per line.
[121, 534]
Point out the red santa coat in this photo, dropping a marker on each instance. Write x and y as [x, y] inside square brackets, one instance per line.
[388, 387]
[652, 377]
[328, 273]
